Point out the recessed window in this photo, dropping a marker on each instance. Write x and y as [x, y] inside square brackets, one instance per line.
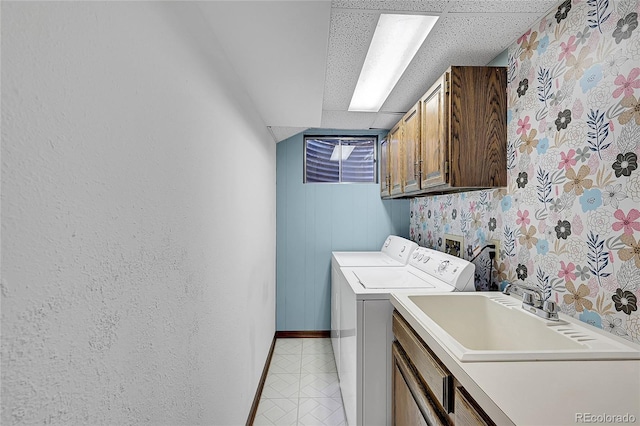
[337, 159]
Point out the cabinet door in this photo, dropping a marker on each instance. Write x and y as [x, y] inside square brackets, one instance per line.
[384, 168]
[405, 408]
[411, 149]
[468, 413]
[433, 141]
[395, 155]
[412, 403]
[478, 127]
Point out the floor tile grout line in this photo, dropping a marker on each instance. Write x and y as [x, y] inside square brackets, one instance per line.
[302, 374]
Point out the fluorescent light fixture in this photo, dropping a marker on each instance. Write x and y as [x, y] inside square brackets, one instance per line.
[341, 151]
[395, 42]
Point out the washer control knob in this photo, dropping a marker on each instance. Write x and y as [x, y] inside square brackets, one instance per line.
[443, 265]
[403, 249]
[426, 259]
[415, 254]
[386, 243]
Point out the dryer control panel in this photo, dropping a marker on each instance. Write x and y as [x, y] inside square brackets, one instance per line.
[398, 248]
[453, 271]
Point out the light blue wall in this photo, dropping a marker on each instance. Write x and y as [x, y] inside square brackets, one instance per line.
[312, 221]
[500, 60]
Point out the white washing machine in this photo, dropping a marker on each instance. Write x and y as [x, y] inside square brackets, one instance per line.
[366, 336]
[395, 252]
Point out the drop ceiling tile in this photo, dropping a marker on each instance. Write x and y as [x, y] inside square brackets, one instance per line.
[347, 120]
[349, 38]
[399, 5]
[505, 6]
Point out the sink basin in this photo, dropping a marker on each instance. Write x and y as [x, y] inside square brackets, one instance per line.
[494, 327]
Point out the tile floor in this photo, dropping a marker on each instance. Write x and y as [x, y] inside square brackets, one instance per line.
[302, 386]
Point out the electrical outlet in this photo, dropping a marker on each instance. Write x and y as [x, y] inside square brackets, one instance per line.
[454, 244]
[497, 244]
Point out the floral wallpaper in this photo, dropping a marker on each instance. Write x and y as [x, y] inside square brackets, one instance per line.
[569, 220]
[469, 215]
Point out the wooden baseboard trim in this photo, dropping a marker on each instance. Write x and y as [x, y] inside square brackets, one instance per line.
[263, 378]
[303, 334]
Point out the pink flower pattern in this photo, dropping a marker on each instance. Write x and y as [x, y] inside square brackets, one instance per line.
[627, 84]
[523, 37]
[523, 126]
[523, 218]
[566, 160]
[566, 271]
[567, 48]
[626, 222]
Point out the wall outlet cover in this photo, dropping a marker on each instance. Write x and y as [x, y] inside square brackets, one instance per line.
[497, 244]
[453, 244]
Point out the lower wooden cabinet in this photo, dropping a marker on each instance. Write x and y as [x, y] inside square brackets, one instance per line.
[424, 391]
[412, 402]
[467, 411]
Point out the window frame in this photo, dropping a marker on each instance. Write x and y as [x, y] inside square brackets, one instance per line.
[341, 138]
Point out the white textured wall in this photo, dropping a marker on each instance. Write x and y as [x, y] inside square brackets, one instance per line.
[134, 170]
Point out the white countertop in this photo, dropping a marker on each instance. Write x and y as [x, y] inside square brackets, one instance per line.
[543, 392]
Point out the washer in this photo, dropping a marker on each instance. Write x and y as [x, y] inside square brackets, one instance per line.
[395, 252]
[365, 326]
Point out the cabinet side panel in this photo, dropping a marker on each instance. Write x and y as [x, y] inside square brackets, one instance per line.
[478, 126]
[376, 362]
[384, 168]
[349, 362]
[395, 164]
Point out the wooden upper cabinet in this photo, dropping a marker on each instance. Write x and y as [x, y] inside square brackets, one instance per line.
[410, 143]
[477, 127]
[433, 144]
[395, 159]
[462, 135]
[384, 168]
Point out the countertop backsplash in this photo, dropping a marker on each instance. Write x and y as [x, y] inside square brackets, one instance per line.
[568, 221]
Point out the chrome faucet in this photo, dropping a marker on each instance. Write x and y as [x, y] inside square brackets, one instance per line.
[546, 309]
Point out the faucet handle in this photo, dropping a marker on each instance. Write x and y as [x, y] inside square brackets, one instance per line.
[550, 306]
[527, 298]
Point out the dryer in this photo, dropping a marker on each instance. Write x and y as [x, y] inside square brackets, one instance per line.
[366, 336]
[395, 252]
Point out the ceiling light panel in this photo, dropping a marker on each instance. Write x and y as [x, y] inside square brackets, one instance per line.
[395, 42]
